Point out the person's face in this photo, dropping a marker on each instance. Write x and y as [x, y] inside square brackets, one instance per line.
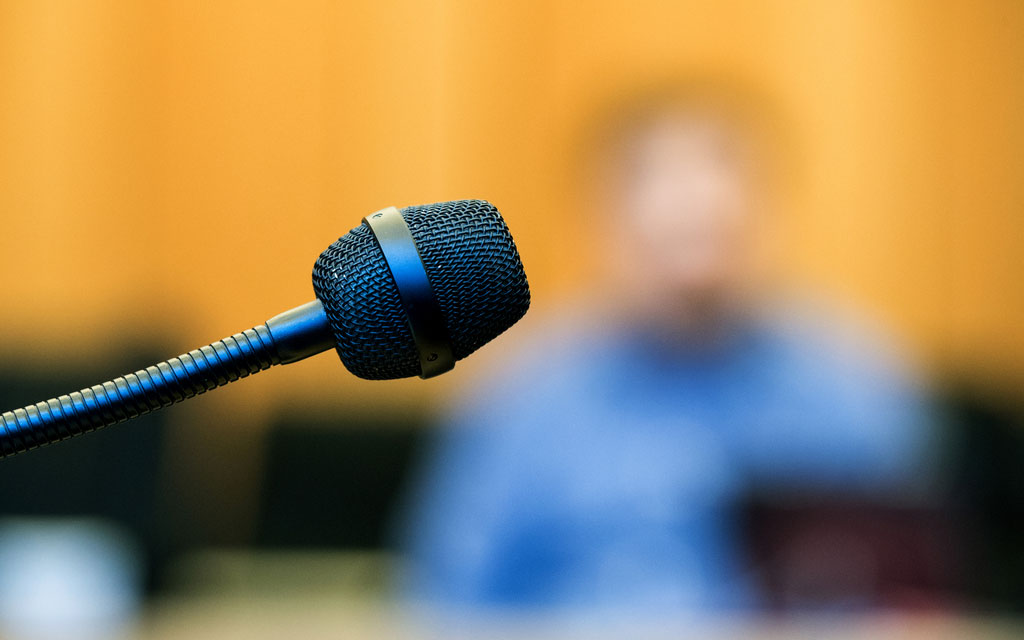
[681, 195]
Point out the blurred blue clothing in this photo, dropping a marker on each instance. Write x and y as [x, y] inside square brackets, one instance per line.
[603, 469]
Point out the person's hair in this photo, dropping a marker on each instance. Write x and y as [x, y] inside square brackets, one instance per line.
[736, 105]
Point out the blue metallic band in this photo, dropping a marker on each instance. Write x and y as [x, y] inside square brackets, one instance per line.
[426, 322]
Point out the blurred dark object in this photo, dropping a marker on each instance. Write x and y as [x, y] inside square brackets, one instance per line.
[827, 553]
[113, 473]
[986, 461]
[332, 481]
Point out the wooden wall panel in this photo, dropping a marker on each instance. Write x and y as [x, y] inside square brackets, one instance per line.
[174, 168]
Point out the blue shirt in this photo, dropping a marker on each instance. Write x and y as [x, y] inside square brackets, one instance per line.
[602, 470]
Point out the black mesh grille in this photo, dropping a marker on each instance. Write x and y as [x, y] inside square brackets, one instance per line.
[474, 270]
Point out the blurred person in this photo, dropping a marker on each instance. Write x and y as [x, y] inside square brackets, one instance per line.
[603, 468]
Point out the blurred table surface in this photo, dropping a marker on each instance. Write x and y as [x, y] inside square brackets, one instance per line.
[311, 595]
[256, 619]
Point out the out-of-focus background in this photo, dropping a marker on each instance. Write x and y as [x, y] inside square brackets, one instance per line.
[169, 172]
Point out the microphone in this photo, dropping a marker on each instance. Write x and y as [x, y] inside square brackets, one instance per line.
[407, 292]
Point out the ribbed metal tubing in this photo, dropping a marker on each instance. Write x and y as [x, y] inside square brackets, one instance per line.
[135, 394]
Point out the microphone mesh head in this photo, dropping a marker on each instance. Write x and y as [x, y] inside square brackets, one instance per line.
[474, 271]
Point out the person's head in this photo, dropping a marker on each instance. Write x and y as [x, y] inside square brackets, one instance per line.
[681, 178]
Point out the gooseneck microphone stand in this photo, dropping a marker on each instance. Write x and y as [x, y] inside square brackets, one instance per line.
[288, 337]
[356, 281]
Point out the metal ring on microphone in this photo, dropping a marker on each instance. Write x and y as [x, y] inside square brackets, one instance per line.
[426, 322]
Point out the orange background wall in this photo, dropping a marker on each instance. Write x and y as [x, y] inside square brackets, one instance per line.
[176, 167]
